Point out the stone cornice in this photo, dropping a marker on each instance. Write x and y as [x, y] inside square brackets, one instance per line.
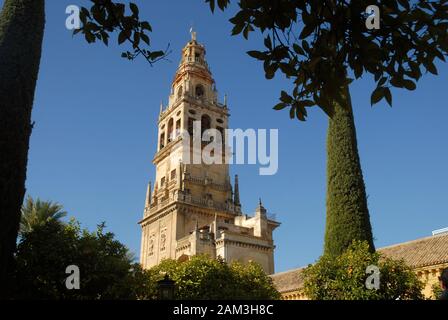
[200, 103]
[184, 208]
[165, 151]
[243, 244]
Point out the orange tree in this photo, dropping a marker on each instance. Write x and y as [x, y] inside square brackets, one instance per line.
[204, 278]
[346, 276]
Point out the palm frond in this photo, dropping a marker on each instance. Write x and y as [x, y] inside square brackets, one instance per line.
[37, 213]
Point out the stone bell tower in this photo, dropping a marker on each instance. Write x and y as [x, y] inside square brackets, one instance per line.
[191, 207]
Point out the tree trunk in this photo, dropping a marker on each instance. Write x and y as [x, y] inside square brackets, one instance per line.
[347, 212]
[21, 32]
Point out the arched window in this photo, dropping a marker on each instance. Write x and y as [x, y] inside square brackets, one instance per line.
[162, 141]
[177, 132]
[170, 130]
[180, 92]
[205, 123]
[222, 132]
[199, 91]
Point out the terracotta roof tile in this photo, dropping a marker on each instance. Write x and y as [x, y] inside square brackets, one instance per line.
[421, 252]
[416, 253]
[288, 281]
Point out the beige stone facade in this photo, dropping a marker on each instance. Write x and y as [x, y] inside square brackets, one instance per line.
[192, 208]
[427, 257]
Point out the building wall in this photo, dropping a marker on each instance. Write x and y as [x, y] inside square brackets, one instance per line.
[242, 248]
[158, 240]
[430, 277]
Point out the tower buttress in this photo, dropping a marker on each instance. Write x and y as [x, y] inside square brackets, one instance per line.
[148, 196]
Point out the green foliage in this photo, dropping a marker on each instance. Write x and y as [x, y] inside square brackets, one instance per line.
[37, 213]
[106, 268]
[436, 291]
[318, 43]
[106, 17]
[202, 278]
[344, 277]
[348, 216]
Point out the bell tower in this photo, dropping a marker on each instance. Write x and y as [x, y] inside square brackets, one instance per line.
[189, 199]
[193, 99]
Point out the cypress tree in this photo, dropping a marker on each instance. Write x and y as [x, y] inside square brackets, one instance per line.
[21, 32]
[347, 213]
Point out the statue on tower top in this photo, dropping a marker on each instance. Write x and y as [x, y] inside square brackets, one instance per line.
[193, 34]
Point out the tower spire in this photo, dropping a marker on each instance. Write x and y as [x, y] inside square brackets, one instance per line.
[236, 195]
[260, 209]
[148, 195]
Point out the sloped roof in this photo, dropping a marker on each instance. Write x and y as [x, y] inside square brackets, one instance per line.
[421, 252]
[288, 280]
[416, 253]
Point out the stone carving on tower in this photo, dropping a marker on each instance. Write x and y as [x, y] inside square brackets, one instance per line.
[192, 208]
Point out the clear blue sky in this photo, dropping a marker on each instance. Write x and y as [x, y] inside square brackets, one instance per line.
[95, 135]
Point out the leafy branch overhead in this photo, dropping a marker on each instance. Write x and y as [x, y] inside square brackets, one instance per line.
[106, 17]
[323, 45]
